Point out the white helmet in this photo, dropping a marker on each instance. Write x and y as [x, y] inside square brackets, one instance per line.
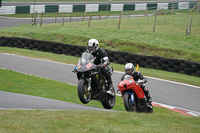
[129, 68]
[92, 45]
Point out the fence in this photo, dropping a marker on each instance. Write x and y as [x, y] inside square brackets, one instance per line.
[154, 62]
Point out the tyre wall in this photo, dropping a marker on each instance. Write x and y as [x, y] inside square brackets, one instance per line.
[153, 62]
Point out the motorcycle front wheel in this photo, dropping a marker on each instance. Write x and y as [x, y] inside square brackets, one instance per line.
[129, 106]
[83, 94]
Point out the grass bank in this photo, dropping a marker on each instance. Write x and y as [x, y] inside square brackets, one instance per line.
[163, 121]
[117, 67]
[135, 35]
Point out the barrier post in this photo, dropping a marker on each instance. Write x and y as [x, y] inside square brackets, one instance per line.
[120, 20]
[147, 12]
[63, 19]
[99, 16]
[154, 26]
[190, 26]
[41, 19]
[90, 20]
[172, 12]
[198, 6]
[56, 17]
[81, 16]
[35, 19]
[85, 16]
[70, 18]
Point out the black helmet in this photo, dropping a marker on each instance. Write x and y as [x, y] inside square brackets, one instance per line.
[129, 68]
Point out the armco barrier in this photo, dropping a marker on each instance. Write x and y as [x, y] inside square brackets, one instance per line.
[96, 7]
[153, 62]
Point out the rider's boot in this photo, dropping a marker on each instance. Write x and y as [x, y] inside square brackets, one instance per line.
[110, 84]
[149, 100]
[146, 92]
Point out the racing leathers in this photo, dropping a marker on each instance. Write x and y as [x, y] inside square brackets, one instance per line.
[102, 63]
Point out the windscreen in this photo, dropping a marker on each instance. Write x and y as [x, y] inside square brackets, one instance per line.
[127, 77]
[86, 58]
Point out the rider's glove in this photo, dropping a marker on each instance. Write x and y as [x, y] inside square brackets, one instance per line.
[75, 69]
[100, 66]
[140, 81]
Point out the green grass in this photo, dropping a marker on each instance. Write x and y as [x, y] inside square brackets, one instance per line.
[162, 120]
[135, 35]
[32, 85]
[117, 67]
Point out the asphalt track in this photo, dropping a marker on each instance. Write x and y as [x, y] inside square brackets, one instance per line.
[25, 102]
[9, 21]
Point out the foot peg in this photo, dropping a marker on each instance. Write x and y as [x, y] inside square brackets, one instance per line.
[110, 92]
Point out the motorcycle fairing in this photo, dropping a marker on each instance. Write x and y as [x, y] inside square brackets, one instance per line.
[126, 84]
[86, 62]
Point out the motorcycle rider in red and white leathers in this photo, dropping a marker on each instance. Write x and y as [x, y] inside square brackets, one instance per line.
[101, 60]
[138, 77]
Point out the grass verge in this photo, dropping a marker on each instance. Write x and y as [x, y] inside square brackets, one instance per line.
[117, 67]
[162, 120]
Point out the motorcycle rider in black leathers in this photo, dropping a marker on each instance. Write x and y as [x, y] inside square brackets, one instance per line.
[101, 60]
[138, 77]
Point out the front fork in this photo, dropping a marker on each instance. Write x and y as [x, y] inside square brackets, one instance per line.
[89, 84]
[88, 80]
[132, 96]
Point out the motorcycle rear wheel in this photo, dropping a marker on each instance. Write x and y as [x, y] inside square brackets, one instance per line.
[83, 94]
[127, 103]
[109, 102]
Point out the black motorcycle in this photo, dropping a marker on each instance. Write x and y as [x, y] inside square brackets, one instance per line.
[92, 84]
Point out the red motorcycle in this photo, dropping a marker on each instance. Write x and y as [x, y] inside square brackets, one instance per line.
[133, 95]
